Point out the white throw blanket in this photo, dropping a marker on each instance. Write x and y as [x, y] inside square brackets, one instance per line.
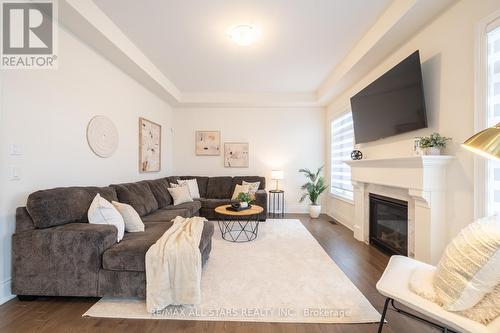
[173, 266]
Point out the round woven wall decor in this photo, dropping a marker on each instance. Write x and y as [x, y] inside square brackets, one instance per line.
[102, 136]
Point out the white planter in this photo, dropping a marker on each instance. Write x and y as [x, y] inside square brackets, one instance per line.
[314, 211]
[433, 151]
[243, 204]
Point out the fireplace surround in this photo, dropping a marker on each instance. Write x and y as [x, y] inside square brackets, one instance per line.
[418, 180]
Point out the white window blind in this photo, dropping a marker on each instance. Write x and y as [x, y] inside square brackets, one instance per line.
[342, 134]
[493, 117]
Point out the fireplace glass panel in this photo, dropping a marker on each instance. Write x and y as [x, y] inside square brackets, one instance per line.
[389, 224]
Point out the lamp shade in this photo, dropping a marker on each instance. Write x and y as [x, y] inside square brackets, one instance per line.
[277, 174]
[485, 143]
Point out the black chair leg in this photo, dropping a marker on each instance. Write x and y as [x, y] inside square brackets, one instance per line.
[381, 324]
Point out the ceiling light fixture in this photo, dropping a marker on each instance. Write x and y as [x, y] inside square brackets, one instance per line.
[243, 34]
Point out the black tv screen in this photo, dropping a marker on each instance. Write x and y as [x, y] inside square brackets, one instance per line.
[392, 104]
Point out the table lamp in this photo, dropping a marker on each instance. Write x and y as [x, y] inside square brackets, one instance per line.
[485, 143]
[277, 175]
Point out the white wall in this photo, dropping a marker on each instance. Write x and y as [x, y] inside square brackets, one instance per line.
[46, 112]
[279, 138]
[447, 54]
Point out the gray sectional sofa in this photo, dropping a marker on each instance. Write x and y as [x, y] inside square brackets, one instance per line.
[56, 252]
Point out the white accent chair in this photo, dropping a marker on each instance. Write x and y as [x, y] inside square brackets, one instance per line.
[394, 285]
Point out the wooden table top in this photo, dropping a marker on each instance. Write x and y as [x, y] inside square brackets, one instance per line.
[254, 210]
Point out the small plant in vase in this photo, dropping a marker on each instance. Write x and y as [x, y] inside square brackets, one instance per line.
[314, 187]
[433, 144]
[244, 199]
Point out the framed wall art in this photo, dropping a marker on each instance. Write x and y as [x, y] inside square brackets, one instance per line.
[236, 154]
[149, 146]
[207, 143]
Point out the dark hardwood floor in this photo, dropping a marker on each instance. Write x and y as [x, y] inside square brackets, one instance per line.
[363, 264]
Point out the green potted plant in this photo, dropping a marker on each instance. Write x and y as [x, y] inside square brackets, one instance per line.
[314, 187]
[244, 199]
[433, 144]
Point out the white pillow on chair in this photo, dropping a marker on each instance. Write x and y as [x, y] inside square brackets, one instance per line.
[101, 211]
[469, 268]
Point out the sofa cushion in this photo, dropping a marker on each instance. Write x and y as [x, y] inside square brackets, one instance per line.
[219, 188]
[137, 195]
[251, 179]
[166, 215]
[159, 188]
[130, 253]
[57, 206]
[173, 180]
[213, 203]
[193, 207]
[202, 184]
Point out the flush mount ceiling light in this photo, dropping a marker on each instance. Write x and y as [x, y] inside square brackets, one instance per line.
[243, 34]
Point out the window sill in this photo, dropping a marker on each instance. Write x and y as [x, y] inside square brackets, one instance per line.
[341, 198]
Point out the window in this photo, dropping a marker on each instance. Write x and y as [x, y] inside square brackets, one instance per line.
[342, 133]
[492, 186]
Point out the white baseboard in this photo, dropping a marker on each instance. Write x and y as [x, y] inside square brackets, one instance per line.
[5, 294]
[296, 208]
[341, 219]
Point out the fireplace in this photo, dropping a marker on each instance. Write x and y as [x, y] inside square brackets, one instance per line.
[389, 224]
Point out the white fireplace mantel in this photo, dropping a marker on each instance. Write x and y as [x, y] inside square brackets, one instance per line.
[419, 180]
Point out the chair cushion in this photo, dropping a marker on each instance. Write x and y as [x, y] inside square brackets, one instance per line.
[130, 253]
[159, 188]
[202, 184]
[58, 206]
[166, 215]
[219, 188]
[193, 207]
[137, 195]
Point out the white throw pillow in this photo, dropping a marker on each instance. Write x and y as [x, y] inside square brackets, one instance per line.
[192, 185]
[254, 187]
[469, 268]
[131, 218]
[240, 189]
[180, 194]
[101, 211]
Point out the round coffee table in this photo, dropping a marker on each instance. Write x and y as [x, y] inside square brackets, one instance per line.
[241, 226]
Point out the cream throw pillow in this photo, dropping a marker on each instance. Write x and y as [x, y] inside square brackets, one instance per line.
[132, 220]
[485, 311]
[254, 187]
[192, 184]
[101, 211]
[180, 194]
[469, 268]
[240, 189]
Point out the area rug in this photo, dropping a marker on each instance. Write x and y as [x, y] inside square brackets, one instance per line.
[282, 276]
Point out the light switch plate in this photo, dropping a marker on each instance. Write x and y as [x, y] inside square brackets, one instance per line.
[15, 150]
[15, 172]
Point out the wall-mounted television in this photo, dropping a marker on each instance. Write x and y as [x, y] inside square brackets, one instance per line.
[392, 104]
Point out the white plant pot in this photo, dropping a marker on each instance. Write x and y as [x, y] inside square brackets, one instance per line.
[314, 211]
[433, 151]
[244, 204]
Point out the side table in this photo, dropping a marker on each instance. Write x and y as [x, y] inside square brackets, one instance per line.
[277, 198]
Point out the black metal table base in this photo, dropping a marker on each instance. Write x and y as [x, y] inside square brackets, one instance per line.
[239, 230]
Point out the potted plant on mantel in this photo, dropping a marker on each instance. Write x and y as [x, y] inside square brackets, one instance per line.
[433, 144]
[314, 187]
